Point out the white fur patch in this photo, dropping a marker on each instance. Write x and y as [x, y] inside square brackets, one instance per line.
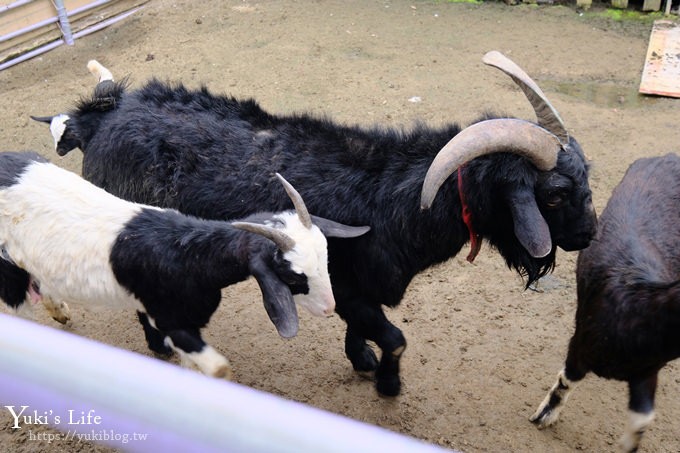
[310, 257]
[99, 71]
[562, 388]
[208, 361]
[60, 229]
[637, 423]
[57, 127]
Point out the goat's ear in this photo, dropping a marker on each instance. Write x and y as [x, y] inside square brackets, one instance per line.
[531, 228]
[277, 298]
[333, 229]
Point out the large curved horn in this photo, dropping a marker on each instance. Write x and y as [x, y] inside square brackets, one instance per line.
[486, 137]
[545, 113]
[282, 240]
[299, 204]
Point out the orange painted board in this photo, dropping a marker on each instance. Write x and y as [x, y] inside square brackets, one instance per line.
[661, 73]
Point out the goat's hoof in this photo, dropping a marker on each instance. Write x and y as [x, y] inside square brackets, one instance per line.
[162, 353]
[223, 372]
[388, 385]
[60, 312]
[544, 417]
[370, 374]
[62, 319]
[628, 444]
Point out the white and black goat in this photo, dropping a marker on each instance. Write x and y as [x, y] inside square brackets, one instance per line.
[524, 187]
[628, 286]
[68, 240]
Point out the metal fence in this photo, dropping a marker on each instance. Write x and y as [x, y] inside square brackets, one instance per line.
[32, 27]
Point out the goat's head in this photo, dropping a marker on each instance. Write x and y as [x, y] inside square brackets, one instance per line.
[66, 133]
[65, 136]
[549, 207]
[298, 270]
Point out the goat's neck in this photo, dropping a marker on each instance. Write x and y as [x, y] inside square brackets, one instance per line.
[216, 251]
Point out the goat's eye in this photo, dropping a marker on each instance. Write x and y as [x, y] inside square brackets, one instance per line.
[554, 200]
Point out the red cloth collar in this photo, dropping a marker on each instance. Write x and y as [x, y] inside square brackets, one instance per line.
[475, 238]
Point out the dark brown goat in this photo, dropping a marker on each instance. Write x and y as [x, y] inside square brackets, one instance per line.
[628, 315]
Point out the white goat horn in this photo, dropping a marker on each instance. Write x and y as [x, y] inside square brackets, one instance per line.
[282, 240]
[299, 204]
[486, 137]
[546, 114]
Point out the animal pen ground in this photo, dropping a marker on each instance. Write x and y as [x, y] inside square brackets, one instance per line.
[482, 352]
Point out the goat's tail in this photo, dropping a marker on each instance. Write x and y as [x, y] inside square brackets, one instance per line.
[100, 72]
[107, 93]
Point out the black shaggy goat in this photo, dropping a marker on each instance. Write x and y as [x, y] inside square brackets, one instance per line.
[628, 285]
[68, 240]
[524, 187]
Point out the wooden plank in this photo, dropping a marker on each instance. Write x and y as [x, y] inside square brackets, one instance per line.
[651, 5]
[661, 73]
[620, 3]
[19, 18]
[35, 12]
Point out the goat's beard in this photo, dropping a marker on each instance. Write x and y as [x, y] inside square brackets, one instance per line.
[529, 268]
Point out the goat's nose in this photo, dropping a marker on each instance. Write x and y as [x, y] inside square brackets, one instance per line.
[330, 305]
[330, 308]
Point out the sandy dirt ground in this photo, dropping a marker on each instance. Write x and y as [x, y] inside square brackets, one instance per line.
[482, 351]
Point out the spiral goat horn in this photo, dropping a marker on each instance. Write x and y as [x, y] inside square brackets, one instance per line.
[540, 144]
[546, 114]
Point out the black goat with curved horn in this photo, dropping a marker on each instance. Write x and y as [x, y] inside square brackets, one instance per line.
[215, 157]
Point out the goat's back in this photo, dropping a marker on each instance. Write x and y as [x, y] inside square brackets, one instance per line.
[628, 280]
[638, 235]
[637, 238]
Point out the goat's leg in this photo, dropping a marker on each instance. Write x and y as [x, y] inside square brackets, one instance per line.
[368, 322]
[14, 283]
[19, 291]
[193, 350]
[549, 410]
[364, 361]
[640, 409]
[59, 311]
[393, 345]
[154, 338]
